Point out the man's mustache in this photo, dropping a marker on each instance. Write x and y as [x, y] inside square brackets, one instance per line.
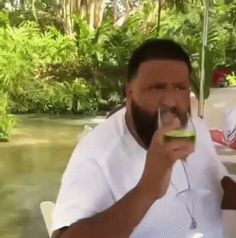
[174, 112]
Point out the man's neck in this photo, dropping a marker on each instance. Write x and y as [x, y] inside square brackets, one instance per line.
[132, 130]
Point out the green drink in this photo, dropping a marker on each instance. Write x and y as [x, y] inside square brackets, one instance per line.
[180, 134]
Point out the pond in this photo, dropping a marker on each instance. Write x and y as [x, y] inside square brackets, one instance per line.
[31, 168]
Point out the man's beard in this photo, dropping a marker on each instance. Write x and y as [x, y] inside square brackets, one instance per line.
[146, 123]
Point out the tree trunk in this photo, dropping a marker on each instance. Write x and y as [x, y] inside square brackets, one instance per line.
[126, 3]
[67, 17]
[91, 14]
[115, 10]
[99, 12]
[159, 17]
[34, 10]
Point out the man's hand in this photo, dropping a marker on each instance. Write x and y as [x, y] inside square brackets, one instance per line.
[160, 159]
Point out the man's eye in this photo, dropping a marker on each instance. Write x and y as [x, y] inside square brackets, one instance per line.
[157, 87]
[179, 87]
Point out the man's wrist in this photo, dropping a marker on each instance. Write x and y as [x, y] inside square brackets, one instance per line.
[146, 192]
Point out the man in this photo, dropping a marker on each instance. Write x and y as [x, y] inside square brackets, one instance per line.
[122, 180]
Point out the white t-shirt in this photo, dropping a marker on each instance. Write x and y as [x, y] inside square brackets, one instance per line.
[108, 163]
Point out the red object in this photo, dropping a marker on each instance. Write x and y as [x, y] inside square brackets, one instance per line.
[219, 77]
[218, 136]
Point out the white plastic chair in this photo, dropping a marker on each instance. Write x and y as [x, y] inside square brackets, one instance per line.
[47, 208]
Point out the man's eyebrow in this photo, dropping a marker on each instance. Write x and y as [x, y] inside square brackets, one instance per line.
[180, 83]
[159, 84]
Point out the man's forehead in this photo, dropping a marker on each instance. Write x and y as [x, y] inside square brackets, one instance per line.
[163, 71]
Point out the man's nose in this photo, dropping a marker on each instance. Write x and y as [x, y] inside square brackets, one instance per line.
[168, 100]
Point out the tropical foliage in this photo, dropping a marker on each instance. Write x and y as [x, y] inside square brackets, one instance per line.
[6, 121]
[231, 80]
[71, 58]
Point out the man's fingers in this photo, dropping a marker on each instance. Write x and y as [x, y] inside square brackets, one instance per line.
[179, 155]
[159, 134]
[179, 150]
[176, 145]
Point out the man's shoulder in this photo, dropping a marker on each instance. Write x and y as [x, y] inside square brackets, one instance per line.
[112, 126]
[199, 122]
[202, 131]
[104, 135]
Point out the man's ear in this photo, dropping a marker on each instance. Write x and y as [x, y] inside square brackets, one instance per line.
[128, 89]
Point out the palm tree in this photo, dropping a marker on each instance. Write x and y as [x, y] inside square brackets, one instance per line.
[92, 10]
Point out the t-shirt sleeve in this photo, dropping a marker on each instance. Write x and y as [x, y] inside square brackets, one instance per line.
[84, 190]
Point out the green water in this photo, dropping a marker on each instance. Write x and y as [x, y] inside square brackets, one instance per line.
[31, 166]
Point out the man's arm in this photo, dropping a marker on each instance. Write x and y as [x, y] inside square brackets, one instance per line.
[116, 222]
[229, 198]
